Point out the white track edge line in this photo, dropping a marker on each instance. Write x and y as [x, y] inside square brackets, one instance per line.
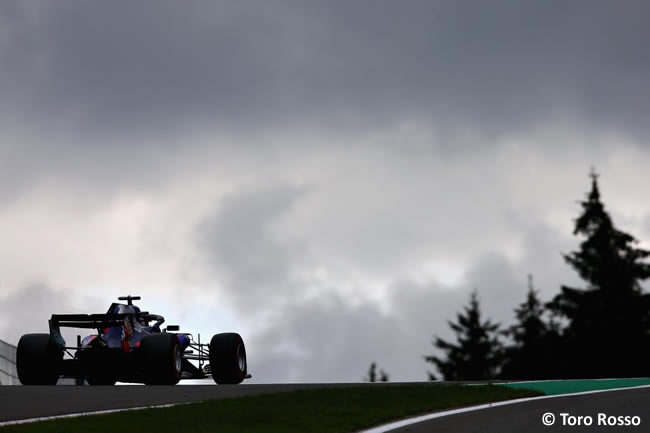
[97, 412]
[402, 423]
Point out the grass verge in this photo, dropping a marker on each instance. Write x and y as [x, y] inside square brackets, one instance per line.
[319, 411]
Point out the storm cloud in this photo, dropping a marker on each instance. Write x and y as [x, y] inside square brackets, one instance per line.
[128, 68]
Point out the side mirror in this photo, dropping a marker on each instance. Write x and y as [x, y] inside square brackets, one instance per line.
[173, 327]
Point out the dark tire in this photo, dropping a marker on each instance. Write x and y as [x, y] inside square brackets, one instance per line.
[37, 360]
[228, 362]
[161, 359]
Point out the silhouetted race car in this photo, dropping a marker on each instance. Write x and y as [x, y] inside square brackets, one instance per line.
[129, 346]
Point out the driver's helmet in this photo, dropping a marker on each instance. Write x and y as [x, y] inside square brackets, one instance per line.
[141, 320]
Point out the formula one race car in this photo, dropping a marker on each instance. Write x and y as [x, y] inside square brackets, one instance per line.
[128, 347]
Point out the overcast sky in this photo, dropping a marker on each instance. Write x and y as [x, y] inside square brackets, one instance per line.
[329, 178]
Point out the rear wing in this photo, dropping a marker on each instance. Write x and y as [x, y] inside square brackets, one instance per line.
[87, 320]
[92, 321]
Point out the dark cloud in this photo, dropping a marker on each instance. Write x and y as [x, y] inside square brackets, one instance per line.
[117, 67]
[109, 96]
[250, 261]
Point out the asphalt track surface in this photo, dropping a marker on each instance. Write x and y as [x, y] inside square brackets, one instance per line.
[24, 402]
[527, 416]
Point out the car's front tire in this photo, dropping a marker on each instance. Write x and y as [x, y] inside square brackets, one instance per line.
[161, 357]
[228, 362]
[38, 361]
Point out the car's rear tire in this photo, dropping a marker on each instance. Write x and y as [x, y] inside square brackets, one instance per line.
[161, 357]
[38, 361]
[228, 362]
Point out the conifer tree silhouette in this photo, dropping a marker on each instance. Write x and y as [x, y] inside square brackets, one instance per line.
[533, 340]
[476, 354]
[608, 321]
[372, 374]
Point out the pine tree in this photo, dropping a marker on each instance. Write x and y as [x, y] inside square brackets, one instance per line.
[372, 373]
[608, 321]
[476, 354]
[528, 357]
